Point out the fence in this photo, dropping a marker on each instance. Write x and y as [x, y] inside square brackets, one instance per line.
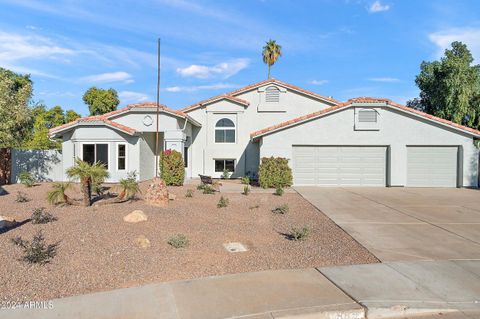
[45, 165]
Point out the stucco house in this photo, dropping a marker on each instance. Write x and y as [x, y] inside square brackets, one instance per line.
[361, 142]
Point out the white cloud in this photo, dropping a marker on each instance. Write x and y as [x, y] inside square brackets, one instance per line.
[120, 76]
[469, 36]
[224, 69]
[377, 6]
[216, 86]
[384, 79]
[132, 97]
[318, 82]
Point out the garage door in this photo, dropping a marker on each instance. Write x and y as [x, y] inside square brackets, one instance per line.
[432, 166]
[339, 165]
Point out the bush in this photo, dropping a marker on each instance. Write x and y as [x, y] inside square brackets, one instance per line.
[36, 251]
[57, 194]
[274, 172]
[189, 193]
[246, 190]
[22, 197]
[225, 174]
[223, 202]
[41, 216]
[172, 168]
[207, 189]
[278, 191]
[299, 233]
[179, 241]
[26, 178]
[245, 180]
[283, 209]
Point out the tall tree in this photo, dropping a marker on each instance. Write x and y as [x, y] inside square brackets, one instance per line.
[15, 114]
[450, 88]
[101, 101]
[271, 52]
[71, 116]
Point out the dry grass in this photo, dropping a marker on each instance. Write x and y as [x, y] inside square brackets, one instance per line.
[98, 251]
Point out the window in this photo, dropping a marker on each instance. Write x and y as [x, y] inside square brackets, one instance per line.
[367, 116]
[225, 131]
[185, 156]
[224, 164]
[121, 157]
[272, 94]
[92, 153]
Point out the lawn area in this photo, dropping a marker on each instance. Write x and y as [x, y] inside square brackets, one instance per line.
[98, 251]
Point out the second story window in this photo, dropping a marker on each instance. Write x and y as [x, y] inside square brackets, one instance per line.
[272, 94]
[225, 131]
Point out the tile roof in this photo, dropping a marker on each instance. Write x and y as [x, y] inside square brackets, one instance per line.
[105, 118]
[231, 95]
[362, 100]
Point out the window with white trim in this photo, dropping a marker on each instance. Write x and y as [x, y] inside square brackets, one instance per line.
[225, 131]
[92, 153]
[272, 94]
[121, 157]
[225, 164]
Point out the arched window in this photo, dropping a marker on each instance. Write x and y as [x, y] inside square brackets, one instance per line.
[272, 94]
[225, 131]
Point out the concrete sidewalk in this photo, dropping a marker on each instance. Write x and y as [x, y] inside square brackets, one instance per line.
[391, 290]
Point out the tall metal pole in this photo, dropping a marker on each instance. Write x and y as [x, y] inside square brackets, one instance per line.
[157, 146]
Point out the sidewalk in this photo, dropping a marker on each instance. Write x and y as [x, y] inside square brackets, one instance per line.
[392, 290]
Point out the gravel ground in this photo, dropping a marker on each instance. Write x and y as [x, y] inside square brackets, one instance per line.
[98, 250]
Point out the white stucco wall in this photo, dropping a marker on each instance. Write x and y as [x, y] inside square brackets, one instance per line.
[396, 130]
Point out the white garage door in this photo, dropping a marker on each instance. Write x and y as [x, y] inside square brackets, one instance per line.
[339, 165]
[429, 166]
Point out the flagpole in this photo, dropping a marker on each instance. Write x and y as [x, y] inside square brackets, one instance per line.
[157, 146]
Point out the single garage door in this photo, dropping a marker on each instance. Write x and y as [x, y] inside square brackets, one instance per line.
[339, 165]
[430, 166]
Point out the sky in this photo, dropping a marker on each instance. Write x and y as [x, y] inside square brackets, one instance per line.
[338, 48]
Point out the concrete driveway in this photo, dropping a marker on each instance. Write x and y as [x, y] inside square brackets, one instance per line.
[405, 223]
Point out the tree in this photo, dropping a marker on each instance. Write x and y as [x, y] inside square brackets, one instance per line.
[450, 88]
[101, 101]
[71, 116]
[87, 174]
[271, 52]
[15, 114]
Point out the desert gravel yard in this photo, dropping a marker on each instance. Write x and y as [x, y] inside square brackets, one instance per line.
[98, 250]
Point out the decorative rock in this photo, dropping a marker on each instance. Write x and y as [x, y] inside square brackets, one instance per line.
[172, 196]
[7, 222]
[2, 191]
[157, 193]
[143, 242]
[135, 217]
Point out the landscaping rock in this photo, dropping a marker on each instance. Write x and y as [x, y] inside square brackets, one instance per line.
[143, 242]
[172, 196]
[7, 222]
[157, 193]
[135, 217]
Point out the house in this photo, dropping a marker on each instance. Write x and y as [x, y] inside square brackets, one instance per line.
[361, 142]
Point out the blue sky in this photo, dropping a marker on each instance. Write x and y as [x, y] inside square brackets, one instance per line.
[339, 48]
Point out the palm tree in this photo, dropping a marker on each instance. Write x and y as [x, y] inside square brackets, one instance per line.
[57, 194]
[129, 188]
[87, 173]
[271, 52]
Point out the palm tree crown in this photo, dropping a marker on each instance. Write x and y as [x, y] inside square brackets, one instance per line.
[271, 52]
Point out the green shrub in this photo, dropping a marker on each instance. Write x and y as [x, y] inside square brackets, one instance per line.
[282, 209]
[26, 178]
[299, 233]
[36, 251]
[223, 202]
[207, 189]
[279, 191]
[22, 197]
[245, 180]
[189, 193]
[225, 174]
[172, 168]
[178, 241]
[41, 216]
[246, 190]
[274, 172]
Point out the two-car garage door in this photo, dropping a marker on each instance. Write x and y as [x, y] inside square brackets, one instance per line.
[426, 166]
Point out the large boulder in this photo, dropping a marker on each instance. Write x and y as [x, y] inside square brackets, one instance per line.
[135, 217]
[157, 193]
[7, 222]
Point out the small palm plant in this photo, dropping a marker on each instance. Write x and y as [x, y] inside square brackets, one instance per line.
[129, 187]
[57, 194]
[87, 174]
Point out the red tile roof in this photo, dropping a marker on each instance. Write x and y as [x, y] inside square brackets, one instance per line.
[362, 100]
[232, 95]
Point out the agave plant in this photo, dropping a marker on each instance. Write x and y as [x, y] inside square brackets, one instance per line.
[88, 175]
[57, 194]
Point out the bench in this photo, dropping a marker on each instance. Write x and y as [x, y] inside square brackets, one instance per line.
[209, 180]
